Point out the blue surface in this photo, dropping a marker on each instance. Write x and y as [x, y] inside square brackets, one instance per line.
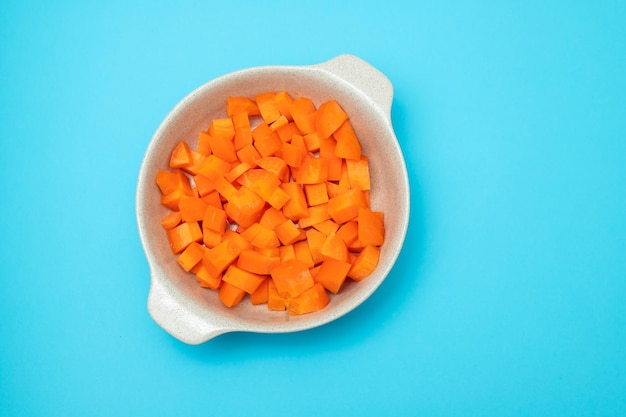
[509, 298]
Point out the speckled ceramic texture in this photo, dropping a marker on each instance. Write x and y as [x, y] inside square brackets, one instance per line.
[193, 314]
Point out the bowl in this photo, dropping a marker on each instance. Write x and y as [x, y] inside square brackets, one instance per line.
[194, 314]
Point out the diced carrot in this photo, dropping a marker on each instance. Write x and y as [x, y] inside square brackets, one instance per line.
[249, 154]
[191, 256]
[317, 214]
[348, 145]
[365, 263]
[316, 193]
[206, 278]
[267, 106]
[224, 148]
[238, 170]
[312, 141]
[256, 262]
[327, 151]
[303, 253]
[245, 208]
[239, 104]
[292, 278]
[241, 120]
[242, 279]
[181, 156]
[278, 123]
[311, 300]
[170, 181]
[329, 117]
[334, 248]
[230, 294]
[261, 294]
[371, 229]
[345, 207]
[358, 173]
[287, 232]
[283, 101]
[287, 132]
[275, 301]
[315, 240]
[214, 219]
[313, 170]
[296, 208]
[349, 233]
[214, 167]
[272, 217]
[303, 112]
[332, 274]
[204, 146]
[171, 220]
[171, 200]
[327, 227]
[183, 235]
[286, 252]
[192, 208]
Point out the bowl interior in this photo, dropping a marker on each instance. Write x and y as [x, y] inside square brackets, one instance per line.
[389, 191]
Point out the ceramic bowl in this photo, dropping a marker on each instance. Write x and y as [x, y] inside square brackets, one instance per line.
[193, 314]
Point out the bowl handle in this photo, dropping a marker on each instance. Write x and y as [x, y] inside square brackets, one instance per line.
[170, 311]
[364, 77]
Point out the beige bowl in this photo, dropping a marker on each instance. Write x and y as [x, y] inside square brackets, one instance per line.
[193, 314]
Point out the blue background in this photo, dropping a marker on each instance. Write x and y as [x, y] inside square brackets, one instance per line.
[508, 299]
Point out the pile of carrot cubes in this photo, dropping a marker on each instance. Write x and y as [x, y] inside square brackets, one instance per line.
[274, 203]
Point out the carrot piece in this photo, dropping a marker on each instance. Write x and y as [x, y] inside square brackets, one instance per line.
[287, 132]
[327, 227]
[238, 170]
[244, 280]
[265, 238]
[332, 274]
[212, 198]
[329, 117]
[206, 278]
[311, 300]
[296, 207]
[276, 166]
[214, 219]
[204, 146]
[266, 141]
[261, 294]
[327, 151]
[171, 220]
[365, 263]
[345, 207]
[211, 238]
[334, 248]
[292, 278]
[287, 232]
[183, 235]
[181, 156]
[317, 214]
[249, 154]
[197, 160]
[224, 148]
[274, 300]
[371, 230]
[191, 256]
[303, 253]
[313, 170]
[170, 181]
[335, 190]
[316, 193]
[226, 188]
[267, 107]
[257, 262]
[315, 240]
[348, 145]
[217, 259]
[312, 141]
[191, 208]
[230, 294]
[214, 167]
[286, 252]
[283, 101]
[238, 104]
[278, 123]
[241, 120]
[292, 154]
[303, 112]
[358, 173]
[349, 233]
[172, 199]
[278, 198]
[272, 217]
[245, 208]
